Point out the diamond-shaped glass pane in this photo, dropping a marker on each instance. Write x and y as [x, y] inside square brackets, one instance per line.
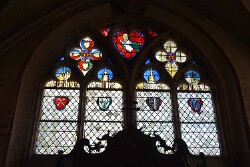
[155, 115]
[165, 130]
[96, 130]
[186, 110]
[55, 136]
[69, 110]
[198, 123]
[58, 121]
[103, 114]
[97, 111]
[201, 138]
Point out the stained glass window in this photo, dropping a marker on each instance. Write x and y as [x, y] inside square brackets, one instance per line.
[105, 31]
[185, 111]
[197, 116]
[59, 113]
[85, 53]
[104, 99]
[128, 43]
[152, 33]
[171, 56]
[62, 58]
[154, 101]
[148, 61]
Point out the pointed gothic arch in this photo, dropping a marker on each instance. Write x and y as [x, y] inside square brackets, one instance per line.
[31, 79]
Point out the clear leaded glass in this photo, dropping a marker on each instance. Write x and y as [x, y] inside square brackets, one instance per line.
[197, 117]
[103, 115]
[155, 114]
[103, 100]
[155, 117]
[58, 117]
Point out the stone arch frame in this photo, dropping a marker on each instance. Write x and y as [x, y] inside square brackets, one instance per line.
[24, 114]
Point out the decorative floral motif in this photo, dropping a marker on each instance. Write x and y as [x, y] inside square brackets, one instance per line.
[170, 55]
[130, 44]
[85, 53]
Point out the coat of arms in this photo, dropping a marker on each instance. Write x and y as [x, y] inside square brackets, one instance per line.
[154, 103]
[61, 102]
[195, 104]
[104, 103]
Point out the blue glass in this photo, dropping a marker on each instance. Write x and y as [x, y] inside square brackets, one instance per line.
[103, 72]
[110, 61]
[152, 73]
[62, 70]
[87, 44]
[193, 74]
[148, 61]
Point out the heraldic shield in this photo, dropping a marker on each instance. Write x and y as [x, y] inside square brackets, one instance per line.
[195, 104]
[104, 103]
[154, 103]
[61, 102]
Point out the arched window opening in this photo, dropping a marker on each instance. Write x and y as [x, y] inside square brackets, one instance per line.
[187, 112]
[197, 115]
[59, 113]
[171, 104]
[104, 115]
[154, 100]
